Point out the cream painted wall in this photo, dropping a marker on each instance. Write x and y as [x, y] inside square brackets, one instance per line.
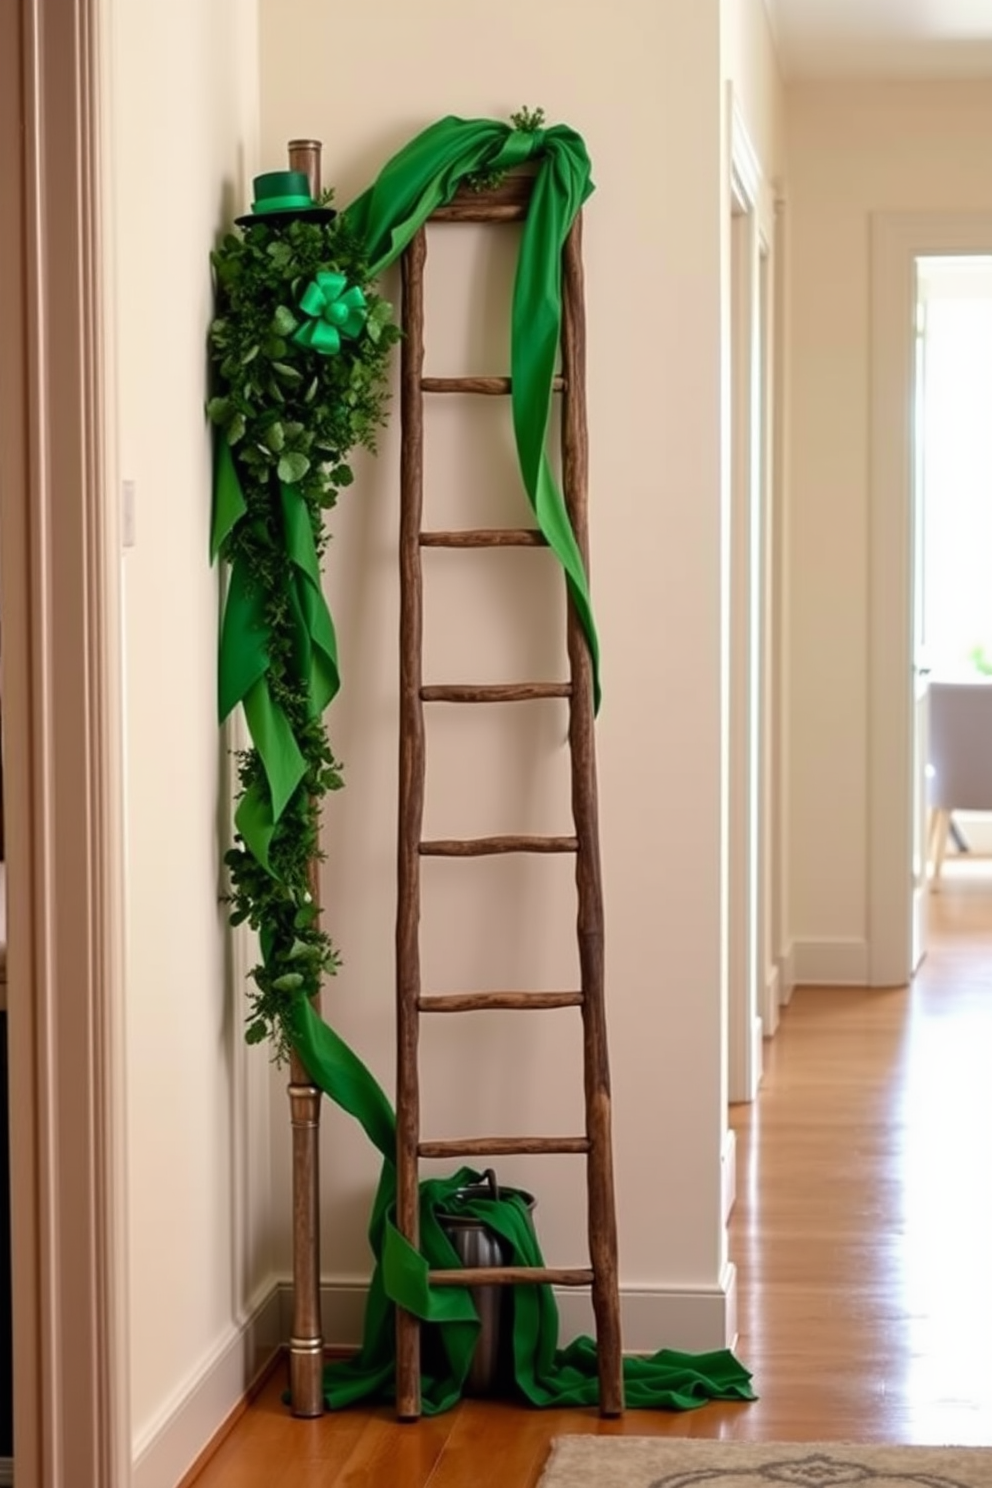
[644, 84]
[184, 130]
[853, 150]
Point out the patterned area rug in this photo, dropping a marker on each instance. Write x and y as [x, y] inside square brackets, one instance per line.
[663, 1462]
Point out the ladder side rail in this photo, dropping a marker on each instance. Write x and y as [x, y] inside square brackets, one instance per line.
[602, 1205]
[306, 1341]
[412, 766]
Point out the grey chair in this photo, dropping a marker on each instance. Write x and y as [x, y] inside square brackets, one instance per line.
[959, 752]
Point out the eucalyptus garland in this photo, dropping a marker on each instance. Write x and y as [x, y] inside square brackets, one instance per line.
[299, 353]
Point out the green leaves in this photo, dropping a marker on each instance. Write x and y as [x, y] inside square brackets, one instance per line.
[379, 316]
[290, 981]
[290, 416]
[528, 121]
[286, 372]
[293, 467]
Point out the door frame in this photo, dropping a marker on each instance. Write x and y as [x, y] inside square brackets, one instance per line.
[898, 239]
[751, 208]
[59, 583]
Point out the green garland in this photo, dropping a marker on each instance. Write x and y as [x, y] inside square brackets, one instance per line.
[287, 414]
[299, 355]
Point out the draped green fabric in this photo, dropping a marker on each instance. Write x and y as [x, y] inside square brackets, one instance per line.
[244, 657]
[423, 176]
[418, 179]
[544, 1374]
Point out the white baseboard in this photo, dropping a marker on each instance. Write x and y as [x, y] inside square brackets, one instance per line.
[831, 963]
[757, 1052]
[342, 1309]
[772, 1009]
[653, 1318]
[728, 1173]
[786, 975]
[695, 1320]
[173, 1440]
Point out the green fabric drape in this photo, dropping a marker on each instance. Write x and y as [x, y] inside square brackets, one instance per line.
[423, 176]
[244, 657]
[545, 1375]
[417, 180]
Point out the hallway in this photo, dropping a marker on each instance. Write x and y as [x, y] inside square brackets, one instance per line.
[861, 1234]
[864, 1209]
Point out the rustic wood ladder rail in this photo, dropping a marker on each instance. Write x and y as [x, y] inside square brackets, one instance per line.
[505, 203]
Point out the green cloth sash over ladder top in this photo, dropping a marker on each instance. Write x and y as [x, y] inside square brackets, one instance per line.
[424, 176]
[420, 178]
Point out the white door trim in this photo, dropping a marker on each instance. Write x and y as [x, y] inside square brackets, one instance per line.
[782, 969]
[58, 591]
[897, 240]
[744, 659]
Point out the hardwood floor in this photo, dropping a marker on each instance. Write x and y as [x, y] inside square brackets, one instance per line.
[862, 1234]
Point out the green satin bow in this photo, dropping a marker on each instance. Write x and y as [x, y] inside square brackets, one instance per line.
[335, 309]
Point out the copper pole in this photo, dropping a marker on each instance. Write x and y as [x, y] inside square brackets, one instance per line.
[306, 1344]
[304, 155]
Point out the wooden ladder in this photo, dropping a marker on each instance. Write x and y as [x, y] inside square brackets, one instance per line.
[505, 203]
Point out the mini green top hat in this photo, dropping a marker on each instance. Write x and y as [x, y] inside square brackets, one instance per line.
[282, 196]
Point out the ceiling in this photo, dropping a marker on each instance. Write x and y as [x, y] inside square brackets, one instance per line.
[883, 38]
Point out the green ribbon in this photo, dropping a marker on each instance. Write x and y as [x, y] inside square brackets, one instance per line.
[544, 1374]
[335, 310]
[244, 655]
[294, 202]
[420, 178]
[423, 176]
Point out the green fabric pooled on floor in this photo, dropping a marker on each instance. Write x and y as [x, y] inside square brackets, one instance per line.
[544, 1375]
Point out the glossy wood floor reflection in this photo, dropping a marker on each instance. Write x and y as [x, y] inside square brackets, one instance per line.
[862, 1234]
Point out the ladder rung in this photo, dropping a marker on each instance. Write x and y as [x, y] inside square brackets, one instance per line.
[484, 847]
[576, 1276]
[506, 202]
[476, 1002]
[487, 387]
[486, 537]
[501, 692]
[500, 1146]
[481, 212]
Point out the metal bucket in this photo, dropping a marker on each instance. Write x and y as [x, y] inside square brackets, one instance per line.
[477, 1245]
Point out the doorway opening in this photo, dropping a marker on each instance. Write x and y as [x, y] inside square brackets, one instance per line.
[952, 611]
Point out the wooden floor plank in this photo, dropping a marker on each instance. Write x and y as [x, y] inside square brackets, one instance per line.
[861, 1236]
